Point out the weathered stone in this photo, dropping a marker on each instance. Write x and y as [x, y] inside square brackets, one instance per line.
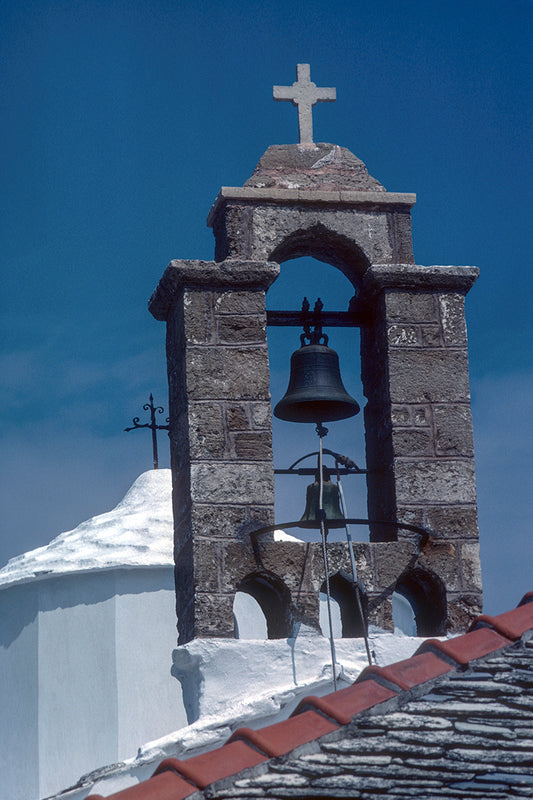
[438, 376]
[462, 610]
[213, 615]
[471, 567]
[403, 335]
[241, 329]
[236, 302]
[229, 521]
[452, 316]
[425, 481]
[411, 442]
[228, 372]
[206, 430]
[198, 316]
[410, 306]
[391, 559]
[253, 446]
[453, 426]
[430, 336]
[453, 521]
[261, 415]
[324, 166]
[232, 482]
[237, 417]
[442, 558]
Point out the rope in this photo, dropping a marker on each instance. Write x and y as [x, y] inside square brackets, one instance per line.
[354, 566]
[322, 515]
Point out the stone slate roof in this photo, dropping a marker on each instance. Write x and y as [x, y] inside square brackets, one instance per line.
[453, 721]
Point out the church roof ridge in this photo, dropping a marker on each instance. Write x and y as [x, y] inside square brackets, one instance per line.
[376, 689]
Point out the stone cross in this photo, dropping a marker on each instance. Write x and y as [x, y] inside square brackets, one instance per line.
[304, 94]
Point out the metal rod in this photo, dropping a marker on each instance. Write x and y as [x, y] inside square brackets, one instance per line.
[329, 319]
[424, 533]
[354, 570]
[322, 515]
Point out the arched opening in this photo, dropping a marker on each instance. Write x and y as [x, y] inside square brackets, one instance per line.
[419, 603]
[327, 246]
[272, 598]
[299, 278]
[346, 617]
[250, 621]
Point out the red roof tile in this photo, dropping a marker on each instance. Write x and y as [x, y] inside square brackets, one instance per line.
[410, 672]
[166, 786]
[344, 704]
[175, 779]
[511, 624]
[282, 737]
[466, 648]
[209, 767]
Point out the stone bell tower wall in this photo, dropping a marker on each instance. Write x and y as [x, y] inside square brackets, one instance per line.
[418, 424]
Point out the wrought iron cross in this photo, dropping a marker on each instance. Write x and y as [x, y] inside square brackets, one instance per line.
[304, 94]
[152, 425]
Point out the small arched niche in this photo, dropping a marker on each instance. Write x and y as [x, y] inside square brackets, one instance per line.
[269, 596]
[346, 617]
[299, 278]
[419, 604]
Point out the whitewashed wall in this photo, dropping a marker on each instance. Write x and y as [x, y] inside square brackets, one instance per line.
[85, 664]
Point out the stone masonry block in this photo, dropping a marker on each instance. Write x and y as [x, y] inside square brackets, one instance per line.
[198, 316]
[231, 482]
[428, 375]
[213, 615]
[261, 415]
[453, 521]
[240, 303]
[237, 417]
[228, 372]
[410, 306]
[253, 446]
[452, 313]
[391, 559]
[402, 335]
[236, 563]
[471, 567]
[322, 227]
[442, 557]
[208, 565]
[229, 521]
[206, 430]
[427, 481]
[430, 336]
[453, 425]
[462, 610]
[412, 442]
[241, 329]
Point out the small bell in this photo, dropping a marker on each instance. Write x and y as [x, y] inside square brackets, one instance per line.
[330, 502]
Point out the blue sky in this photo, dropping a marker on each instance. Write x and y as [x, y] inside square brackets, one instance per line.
[121, 122]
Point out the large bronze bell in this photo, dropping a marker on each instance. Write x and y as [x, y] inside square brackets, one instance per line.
[330, 502]
[315, 392]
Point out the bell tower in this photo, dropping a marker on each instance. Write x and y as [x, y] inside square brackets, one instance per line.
[319, 200]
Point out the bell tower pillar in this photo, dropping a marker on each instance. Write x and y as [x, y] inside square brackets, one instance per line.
[220, 429]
